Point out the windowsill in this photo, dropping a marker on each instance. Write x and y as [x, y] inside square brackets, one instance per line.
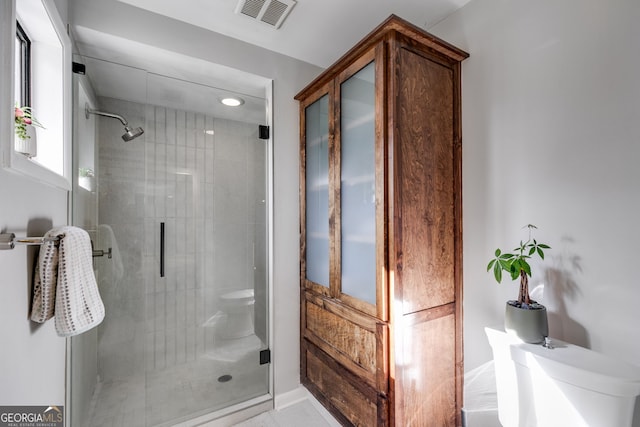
[23, 165]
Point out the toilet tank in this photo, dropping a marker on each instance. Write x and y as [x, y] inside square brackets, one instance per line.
[564, 386]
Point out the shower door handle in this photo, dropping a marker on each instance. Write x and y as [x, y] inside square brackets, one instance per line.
[162, 249]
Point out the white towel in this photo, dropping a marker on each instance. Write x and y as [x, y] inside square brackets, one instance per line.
[64, 274]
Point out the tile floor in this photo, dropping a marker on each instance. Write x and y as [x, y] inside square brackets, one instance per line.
[123, 403]
[175, 394]
[303, 413]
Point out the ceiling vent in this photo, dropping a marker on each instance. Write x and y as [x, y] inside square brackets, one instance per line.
[271, 12]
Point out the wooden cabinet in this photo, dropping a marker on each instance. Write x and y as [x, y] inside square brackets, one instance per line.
[381, 231]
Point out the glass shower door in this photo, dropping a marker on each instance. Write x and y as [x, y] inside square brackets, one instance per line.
[184, 209]
[205, 254]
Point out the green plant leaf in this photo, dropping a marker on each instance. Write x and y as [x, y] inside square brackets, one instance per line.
[497, 272]
[516, 263]
[524, 265]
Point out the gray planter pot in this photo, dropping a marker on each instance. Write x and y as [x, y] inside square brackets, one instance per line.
[528, 324]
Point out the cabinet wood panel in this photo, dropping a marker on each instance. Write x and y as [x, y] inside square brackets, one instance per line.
[354, 403]
[352, 340]
[428, 376]
[424, 185]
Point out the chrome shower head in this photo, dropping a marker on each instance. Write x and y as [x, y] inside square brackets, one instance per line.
[131, 133]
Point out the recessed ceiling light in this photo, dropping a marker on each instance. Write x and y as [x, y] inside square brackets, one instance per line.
[232, 102]
[209, 131]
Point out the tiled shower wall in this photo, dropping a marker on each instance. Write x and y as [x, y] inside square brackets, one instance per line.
[210, 191]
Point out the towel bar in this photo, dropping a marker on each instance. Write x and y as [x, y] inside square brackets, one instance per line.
[9, 240]
[99, 253]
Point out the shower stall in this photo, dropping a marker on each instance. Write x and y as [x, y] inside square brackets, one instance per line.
[179, 209]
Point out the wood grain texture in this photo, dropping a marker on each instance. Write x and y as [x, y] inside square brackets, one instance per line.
[334, 191]
[303, 192]
[346, 396]
[428, 373]
[391, 105]
[391, 25]
[357, 343]
[424, 204]
[337, 307]
[382, 359]
[382, 221]
[457, 128]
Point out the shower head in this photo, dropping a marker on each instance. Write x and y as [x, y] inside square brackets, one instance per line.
[129, 134]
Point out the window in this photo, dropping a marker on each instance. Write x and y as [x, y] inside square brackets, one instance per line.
[41, 79]
[22, 72]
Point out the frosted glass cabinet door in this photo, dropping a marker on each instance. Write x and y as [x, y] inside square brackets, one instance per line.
[317, 191]
[357, 178]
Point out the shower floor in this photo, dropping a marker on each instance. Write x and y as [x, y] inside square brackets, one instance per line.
[178, 393]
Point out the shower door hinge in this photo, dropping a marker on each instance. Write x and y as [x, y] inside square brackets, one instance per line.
[78, 68]
[263, 132]
[265, 356]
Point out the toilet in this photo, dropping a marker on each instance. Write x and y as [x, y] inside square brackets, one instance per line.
[566, 385]
[238, 308]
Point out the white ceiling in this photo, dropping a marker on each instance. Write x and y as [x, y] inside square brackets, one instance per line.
[131, 71]
[316, 31]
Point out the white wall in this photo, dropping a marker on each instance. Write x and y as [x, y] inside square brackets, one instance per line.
[32, 360]
[289, 77]
[32, 356]
[551, 118]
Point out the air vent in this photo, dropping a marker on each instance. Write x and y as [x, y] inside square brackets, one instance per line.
[252, 8]
[270, 12]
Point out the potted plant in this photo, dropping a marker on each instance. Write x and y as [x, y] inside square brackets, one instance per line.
[24, 123]
[524, 317]
[86, 178]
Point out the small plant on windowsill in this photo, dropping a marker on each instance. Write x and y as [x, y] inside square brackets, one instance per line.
[86, 178]
[23, 118]
[524, 317]
[24, 121]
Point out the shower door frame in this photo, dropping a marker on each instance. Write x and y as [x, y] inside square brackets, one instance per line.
[251, 407]
[76, 82]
